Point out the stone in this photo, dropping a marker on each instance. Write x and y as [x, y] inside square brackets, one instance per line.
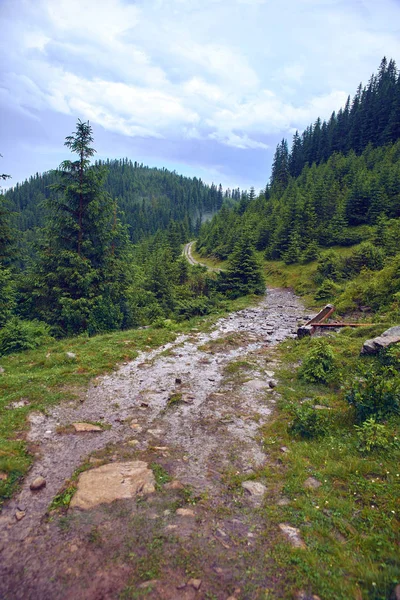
[147, 584]
[387, 338]
[73, 548]
[293, 535]
[2, 370]
[195, 583]
[185, 512]
[174, 485]
[133, 442]
[3, 476]
[272, 383]
[283, 501]
[178, 380]
[114, 481]
[136, 427]
[302, 595]
[38, 484]
[254, 488]
[20, 514]
[311, 483]
[395, 595]
[71, 355]
[86, 427]
[284, 449]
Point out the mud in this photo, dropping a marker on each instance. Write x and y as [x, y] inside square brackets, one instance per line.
[193, 406]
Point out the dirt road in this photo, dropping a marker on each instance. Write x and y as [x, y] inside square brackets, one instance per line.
[191, 410]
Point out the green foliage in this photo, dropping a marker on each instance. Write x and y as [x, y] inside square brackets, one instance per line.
[18, 335]
[7, 296]
[372, 436]
[308, 422]
[327, 290]
[243, 275]
[319, 365]
[375, 394]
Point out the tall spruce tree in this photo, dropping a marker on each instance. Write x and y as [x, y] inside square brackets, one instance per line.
[78, 280]
[244, 275]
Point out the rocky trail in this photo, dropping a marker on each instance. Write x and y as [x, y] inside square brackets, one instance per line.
[175, 444]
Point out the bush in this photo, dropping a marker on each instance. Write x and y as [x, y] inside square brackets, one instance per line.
[319, 363]
[372, 436]
[327, 290]
[308, 422]
[20, 335]
[330, 265]
[376, 394]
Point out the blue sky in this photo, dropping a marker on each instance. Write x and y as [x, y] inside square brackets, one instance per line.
[205, 87]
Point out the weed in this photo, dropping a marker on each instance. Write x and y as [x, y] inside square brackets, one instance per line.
[319, 363]
[175, 399]
[161, 475]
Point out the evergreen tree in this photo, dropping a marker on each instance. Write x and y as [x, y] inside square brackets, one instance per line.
[78, 281]
[243, 275]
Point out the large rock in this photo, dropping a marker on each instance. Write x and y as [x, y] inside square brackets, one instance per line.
[387, 338]
[115, 481]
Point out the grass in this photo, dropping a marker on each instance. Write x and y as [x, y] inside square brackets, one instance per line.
[47, 376]
[351, 522]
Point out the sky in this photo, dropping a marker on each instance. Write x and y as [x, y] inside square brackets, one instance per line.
[204, 87]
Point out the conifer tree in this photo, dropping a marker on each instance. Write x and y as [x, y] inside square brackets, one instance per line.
[243, 275]
[78, 280]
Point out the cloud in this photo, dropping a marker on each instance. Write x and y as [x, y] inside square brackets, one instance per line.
[234, 74]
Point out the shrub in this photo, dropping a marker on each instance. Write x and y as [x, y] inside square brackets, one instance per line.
[330, 265]
[376, 394]
[372, 436]
[308, 423]
[327, 290]
[20, 335]
[319, 363]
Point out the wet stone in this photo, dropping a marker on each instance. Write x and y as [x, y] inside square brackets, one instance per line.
[38, 484]
[86, 427]
[254, 488]
[293, 535]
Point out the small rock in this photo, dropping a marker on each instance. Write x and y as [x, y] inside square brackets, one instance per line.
[185, 512]
[133, 442]
[254, 488]
[272, 383]
[38, 484]
[80, 427]
[302, 595]
[3, 476]
[312, 484]
[320, 407]
[19, 514]
[71, 354]
[144, 404]
[181, 586]
[2, 370]
[171, 527]
[178, 380]
[195, 583]
[395, 595]
[284, 449]
[155, 432]
[283, 501]
[174, 485]
[73, 548]
[293, 535]
[136, 427]
[147, 584]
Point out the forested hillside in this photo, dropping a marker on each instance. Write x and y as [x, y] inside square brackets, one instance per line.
[97, 247]
[149, 198]
[344, 191]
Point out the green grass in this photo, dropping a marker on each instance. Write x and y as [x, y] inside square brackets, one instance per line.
[351, 522]
[46, 376]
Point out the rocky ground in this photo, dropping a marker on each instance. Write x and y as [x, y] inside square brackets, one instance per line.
[171, 506]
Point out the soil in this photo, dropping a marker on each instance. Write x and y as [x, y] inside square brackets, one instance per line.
[191, 410]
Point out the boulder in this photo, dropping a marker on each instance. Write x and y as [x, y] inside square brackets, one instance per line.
[114, 481]
[387, 338]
